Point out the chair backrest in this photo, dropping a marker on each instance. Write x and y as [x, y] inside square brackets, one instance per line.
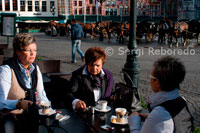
[49, 66]
[1, 59]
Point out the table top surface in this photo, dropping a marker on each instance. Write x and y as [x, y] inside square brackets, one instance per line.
[80, 122]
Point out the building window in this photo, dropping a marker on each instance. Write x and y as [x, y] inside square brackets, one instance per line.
[0, 5]
[52, 3]
[108, 3]
[126, 1]
[111, 12]
[14, 5]
[144, 5]
[80, 11]
[30, 6]
[22, 5]
[90, 1]
[52, 6]
[44, 6]
[99, 9]
[62, 10]
[126, 11]
[121, 11]
[75, 11]
[80, 3]
[37, 6]
[107, 11]
[115, 12]
[114, 3]
[93, 10]
[62, 2]
[75, 3]
[7, 5]
[88, 10]
[139, 5]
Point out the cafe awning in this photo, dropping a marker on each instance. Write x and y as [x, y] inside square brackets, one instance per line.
[32, 21]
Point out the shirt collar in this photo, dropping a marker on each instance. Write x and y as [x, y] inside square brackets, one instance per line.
[85, 71]
[162, 96]
[30, 70]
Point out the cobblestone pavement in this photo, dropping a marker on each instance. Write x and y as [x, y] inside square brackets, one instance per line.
[60, 48]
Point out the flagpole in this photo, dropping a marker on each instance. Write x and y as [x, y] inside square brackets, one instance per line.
[84, 9]
[97, 7]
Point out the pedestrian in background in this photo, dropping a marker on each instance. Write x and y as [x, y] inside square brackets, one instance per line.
[76, 35]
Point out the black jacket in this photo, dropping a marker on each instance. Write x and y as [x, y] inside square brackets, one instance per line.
[81, 87]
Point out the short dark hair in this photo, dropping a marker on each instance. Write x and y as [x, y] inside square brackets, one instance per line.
[93, 54]
[74, 20]
[170, 72]
[21, 41]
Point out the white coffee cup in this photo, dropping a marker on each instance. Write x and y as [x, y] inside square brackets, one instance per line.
[102, 104]
[45, 105]
[121, 114]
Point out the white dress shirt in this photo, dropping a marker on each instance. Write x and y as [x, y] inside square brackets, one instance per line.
[5, 85]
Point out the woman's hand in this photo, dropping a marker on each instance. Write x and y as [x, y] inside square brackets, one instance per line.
[135, 113]
[142, 115]
[80, 105]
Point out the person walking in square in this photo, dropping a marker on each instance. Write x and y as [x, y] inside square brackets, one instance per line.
[76, 35]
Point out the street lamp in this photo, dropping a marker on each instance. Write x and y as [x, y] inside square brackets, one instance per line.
[131, 66]
[53, 10]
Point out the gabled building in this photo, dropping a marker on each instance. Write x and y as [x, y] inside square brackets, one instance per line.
[30, 8]
[187, 9]
[31, 14]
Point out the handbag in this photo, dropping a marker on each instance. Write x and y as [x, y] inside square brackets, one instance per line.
[127, 96]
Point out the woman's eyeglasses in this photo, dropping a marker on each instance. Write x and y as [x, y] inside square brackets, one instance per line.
[151, 77]
[29, 50]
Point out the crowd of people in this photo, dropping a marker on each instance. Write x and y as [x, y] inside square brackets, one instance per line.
[21, 87]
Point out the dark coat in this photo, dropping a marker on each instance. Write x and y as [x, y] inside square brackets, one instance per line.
[76, 31]
[81, 87]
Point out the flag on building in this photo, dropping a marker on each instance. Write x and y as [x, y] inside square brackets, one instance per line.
[97, 4]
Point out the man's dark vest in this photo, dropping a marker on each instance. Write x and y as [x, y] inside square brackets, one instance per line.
[30, 93]
[179, 111]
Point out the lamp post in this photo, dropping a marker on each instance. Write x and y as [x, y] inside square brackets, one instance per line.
[53, 10]
[131, 66]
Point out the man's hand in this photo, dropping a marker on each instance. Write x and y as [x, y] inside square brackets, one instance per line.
[25, 103]
[80, 105]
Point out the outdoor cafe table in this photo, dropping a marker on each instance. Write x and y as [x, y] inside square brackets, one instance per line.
[80, 123]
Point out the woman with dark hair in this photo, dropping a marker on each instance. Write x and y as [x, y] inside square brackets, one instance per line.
[169, 112]
[91, 82]
[21, 82]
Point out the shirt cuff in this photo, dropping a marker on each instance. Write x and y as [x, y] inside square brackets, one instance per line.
[74, 103]
[134, 122]
[9, 104]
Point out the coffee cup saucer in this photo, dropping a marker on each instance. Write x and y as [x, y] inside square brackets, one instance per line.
[119, 123]
[108, 108]
[51, 112]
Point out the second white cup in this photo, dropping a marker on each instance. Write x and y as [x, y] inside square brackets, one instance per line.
[102, 104]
